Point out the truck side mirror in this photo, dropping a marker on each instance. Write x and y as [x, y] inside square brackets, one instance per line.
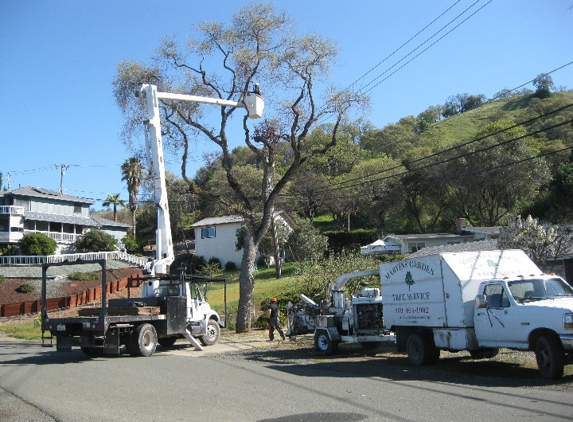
[481, 302]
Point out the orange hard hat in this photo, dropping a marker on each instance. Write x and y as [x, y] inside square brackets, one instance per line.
[274, 299]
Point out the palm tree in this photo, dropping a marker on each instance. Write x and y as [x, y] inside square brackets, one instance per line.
[115, 201]
[132, 171]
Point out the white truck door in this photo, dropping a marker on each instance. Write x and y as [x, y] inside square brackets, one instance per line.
[499, 324]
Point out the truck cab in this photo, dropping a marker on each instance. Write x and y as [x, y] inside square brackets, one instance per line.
[527, 313]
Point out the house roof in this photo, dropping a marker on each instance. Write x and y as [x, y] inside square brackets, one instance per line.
[480, 245]
[60, 218]
[36, 192]
[494, 230]
[73, 219]
[406, 237]
[217, 221]
[109, 223]
[233, 219]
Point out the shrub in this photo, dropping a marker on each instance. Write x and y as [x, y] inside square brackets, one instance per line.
[214, 262]
[1, 278]
[212, 268]
[230, 266]
[8, 250]
[83, 276]
[38, 244]
[95, 241]
[133, 245]
[262, 262]
[25, 288]
[198, 263]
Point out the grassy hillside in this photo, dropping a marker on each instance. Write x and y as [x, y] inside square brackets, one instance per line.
[464, 126]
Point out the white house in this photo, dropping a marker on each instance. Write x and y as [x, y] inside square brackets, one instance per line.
[59, 216]
[215, 237]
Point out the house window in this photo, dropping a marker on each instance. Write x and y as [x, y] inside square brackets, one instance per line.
[77, 209]
[208, 232]
[416, 246]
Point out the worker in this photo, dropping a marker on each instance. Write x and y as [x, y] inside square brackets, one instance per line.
[274, 321]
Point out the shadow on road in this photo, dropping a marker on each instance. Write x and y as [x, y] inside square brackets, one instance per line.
[353, 361]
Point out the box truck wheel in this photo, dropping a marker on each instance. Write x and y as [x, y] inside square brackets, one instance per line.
[550, 357]
[421, 350]
[212, 335]
[323, 343]
[144, 340]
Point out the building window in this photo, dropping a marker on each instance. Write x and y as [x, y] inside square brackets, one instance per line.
[77, 209]
[208, 232]
[416, 246]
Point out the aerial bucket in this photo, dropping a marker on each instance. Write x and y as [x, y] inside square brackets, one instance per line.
[255, 105]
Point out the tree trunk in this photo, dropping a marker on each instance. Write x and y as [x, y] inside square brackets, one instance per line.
[247, 284]
[133, 234]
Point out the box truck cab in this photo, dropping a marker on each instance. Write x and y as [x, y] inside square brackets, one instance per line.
[480, 302]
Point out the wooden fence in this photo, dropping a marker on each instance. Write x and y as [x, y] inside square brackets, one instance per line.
[87, 296]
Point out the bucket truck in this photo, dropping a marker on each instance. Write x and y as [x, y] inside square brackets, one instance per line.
[170, 306]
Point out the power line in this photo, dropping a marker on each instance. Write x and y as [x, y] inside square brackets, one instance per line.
[425, 49]
[405, 173]
[344, 184]
[459, 175]
[403, 45]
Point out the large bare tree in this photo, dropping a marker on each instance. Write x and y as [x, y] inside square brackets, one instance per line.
[259, 46]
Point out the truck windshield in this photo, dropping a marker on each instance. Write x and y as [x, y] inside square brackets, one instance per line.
[539, 289]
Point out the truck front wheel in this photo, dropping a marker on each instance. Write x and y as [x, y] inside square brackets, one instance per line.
[550, 357]
[323, 343]
[212, 335]
[144, 340]
[421, 350]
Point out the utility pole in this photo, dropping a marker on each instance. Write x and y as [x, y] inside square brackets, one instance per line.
[63, 168]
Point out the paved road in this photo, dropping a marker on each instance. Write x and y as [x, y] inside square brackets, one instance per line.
[234, 381]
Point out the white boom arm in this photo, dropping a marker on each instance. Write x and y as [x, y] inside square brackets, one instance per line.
[164, 253]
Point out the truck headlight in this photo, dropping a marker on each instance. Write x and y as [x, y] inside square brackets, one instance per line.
[568, 321]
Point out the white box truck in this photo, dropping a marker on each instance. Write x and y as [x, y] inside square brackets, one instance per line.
[480, 302]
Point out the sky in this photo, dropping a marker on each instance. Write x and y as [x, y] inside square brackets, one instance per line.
[58, 58]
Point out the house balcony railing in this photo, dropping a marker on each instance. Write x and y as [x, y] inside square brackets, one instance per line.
[30, 260]
[11, 209]
[11, 237]
[59, 237]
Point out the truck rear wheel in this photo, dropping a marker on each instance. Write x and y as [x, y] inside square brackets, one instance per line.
[550, 357]
[212, 335]
[144, 340]
[323, 343]
[421, 350]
